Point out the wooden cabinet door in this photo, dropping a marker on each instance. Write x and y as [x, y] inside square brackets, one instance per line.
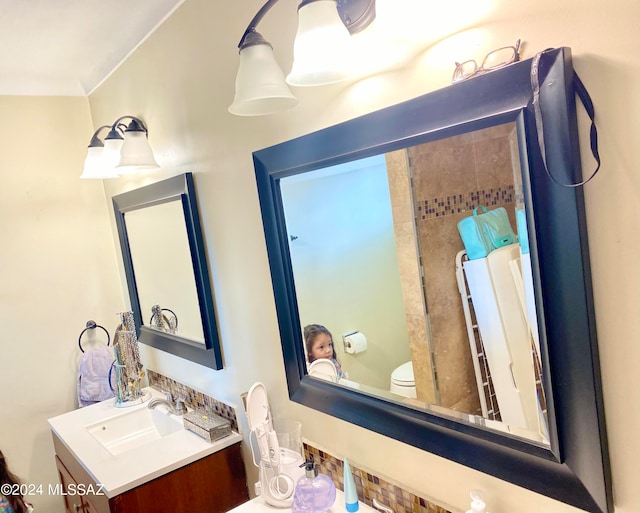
[88, 507]
[72, 503]
[213, 484]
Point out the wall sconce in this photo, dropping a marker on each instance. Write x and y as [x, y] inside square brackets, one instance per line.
[321, 54]
[125, 149]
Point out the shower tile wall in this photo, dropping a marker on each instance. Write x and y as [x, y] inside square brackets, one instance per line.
[450, 178]
[399, 188]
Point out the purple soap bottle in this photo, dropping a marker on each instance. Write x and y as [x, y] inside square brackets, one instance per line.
[314, 493]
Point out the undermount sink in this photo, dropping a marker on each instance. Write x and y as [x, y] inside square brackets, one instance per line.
[132, 429]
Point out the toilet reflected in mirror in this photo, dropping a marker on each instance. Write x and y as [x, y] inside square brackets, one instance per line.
[403, 382]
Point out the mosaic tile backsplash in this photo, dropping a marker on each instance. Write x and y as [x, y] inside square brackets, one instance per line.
[369, 486]
[193, 398]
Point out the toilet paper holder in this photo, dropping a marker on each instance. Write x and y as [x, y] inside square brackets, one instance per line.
[354, 342]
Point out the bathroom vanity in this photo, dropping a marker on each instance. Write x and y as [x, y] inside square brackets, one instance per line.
[105, 467]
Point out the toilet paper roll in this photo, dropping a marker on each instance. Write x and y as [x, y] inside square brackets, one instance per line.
[355, 343]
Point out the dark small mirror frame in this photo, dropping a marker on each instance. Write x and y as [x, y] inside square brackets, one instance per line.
[179, 188]
[575, 469]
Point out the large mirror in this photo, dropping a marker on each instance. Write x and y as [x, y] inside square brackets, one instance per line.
[166, 269]
[486, 359]
[437, 328]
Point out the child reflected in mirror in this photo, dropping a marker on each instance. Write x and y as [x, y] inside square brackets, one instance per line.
[318, 343]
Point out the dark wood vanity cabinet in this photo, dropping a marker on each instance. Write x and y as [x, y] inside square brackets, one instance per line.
[73, 503]
[213, 484]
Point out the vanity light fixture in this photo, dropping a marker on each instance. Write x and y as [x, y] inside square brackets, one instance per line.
[321, 54]
[125, 149]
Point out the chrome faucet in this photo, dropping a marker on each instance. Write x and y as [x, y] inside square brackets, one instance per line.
[177, 408]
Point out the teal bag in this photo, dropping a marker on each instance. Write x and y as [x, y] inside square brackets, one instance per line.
[482, 233]
[521, 226]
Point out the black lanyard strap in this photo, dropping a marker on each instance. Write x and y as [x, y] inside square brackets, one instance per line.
[583, 94]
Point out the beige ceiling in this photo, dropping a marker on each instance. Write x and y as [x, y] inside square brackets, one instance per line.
[67, 47]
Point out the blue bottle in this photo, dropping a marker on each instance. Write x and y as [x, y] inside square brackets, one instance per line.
[351, 503]
[314, 493]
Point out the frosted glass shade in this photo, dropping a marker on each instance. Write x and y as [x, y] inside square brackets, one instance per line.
[322, 48]
[260, 85]
[111, 152]
[136, 153]
[95, 165]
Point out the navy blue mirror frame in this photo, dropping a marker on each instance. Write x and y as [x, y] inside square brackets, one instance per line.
[575, 469]
[179, 188]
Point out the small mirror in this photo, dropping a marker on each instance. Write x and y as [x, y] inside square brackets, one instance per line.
[166, 269]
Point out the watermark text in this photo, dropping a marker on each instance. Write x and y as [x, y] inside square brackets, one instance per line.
[25, 490]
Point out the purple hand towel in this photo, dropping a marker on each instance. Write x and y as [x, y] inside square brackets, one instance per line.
[93, 376]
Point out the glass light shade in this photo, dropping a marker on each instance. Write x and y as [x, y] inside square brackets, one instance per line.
[94, 165]
[322, 48]
[260, 85]
[136, 153]
[111, 153]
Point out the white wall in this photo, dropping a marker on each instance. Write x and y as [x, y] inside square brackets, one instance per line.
[181, 82]
[345, 264]
[57, 271]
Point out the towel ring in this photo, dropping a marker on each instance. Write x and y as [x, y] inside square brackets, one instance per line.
[164, 316]
[90, 326]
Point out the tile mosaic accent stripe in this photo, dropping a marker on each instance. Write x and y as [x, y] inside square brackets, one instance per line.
[371, 487]
[193, 398]
[434, 208]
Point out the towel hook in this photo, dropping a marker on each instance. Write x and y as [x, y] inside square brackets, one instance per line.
[90, 326]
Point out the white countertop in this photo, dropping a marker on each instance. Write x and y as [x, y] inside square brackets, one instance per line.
[122, 472]
[258, 505]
